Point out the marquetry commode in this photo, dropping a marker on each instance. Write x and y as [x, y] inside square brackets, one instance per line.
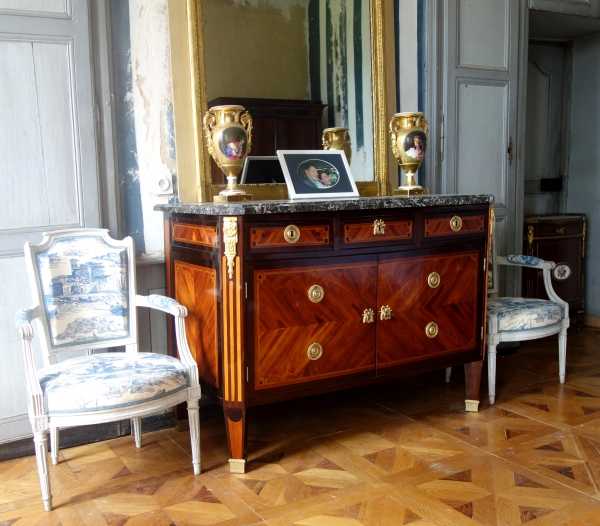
[293, 298]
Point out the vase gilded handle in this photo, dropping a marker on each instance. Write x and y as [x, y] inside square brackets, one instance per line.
[246, 121]
[209, 122]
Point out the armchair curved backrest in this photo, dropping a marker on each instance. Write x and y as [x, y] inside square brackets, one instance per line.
[83, 283]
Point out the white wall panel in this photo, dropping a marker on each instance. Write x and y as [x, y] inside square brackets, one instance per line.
[21, 162]
[483, 33]
[54, 7]
[15, 296]
[59, 145]
[481, 112]
[37, 133]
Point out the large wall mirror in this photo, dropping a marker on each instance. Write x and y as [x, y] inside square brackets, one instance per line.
[296, 50]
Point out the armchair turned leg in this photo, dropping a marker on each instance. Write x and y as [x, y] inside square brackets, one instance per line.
[491, 358]
[40, 440]
[54, 444]
[562, 354]
[448, 374]
[136, 424]
[194, 420]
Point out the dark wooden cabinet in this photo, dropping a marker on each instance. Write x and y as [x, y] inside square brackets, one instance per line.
[277, 124]
[287, 305]
[559, 238]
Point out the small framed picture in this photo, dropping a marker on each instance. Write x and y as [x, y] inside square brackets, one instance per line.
[261, 169]
[315, 174]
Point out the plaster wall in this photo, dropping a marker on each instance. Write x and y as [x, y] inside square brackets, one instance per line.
[152, 110]
[256, 48]
[584, 159]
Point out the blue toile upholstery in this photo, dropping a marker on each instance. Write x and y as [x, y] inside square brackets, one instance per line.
[524, 314]
[83, 287]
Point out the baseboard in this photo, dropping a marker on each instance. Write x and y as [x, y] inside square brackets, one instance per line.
[78, 436]
[591, 322]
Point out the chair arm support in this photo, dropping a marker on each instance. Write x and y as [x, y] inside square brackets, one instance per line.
[156, 301]
[545, 266]
[171, 306]
[23, 320]
[525, 261]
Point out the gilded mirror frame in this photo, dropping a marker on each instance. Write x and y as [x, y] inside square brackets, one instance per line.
[190, 104]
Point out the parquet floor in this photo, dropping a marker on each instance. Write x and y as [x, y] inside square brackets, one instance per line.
[394, 454]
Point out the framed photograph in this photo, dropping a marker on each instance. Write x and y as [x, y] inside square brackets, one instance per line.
[317, 174]
[261, 169]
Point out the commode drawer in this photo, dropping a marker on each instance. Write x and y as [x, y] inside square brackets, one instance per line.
[200, 235]
[563, 229]
[452, 225]
[291, 236]
[374, 231]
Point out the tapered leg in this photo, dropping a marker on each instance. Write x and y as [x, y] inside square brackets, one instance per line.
[562, 354]
[235, 422]
[136, 424]
[40, 440]
[491, 357]
[194, 420]
[54, 444]
[473, 381]
[448, 374]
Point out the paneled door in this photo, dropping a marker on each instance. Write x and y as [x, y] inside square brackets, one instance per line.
[48, 157]
[481, 80]
[546, 140]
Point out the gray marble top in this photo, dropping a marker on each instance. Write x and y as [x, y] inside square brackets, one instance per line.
[289, 206]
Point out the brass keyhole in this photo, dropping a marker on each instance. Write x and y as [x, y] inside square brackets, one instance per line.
[456, 224]
[291, 234]
[385, 313]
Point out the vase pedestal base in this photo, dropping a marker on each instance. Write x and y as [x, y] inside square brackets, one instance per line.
[405, 191]
[234, 198]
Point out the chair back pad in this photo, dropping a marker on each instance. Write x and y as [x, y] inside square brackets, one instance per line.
[84, 282]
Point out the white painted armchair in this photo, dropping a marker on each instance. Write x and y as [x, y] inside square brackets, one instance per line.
[83, 285]
[520, 319]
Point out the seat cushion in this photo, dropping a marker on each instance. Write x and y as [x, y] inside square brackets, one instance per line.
[108, 381]
[524, 314]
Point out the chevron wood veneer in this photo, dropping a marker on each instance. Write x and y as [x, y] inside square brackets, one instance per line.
[402, 453]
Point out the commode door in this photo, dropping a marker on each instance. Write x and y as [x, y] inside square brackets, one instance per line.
[307, 324]
[428, 306]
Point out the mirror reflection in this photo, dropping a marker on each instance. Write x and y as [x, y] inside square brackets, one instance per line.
[298, 66]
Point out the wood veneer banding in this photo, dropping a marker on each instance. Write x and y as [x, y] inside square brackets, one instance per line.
[202, 235]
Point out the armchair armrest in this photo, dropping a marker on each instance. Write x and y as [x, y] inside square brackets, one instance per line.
[546, 267]
[23, 319]
[525, 261]
[171, 306]
[163, 303]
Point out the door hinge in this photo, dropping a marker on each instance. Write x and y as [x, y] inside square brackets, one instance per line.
[246, 290]
[247, 374]
[509, 151]
[484, 262]
[482, 333]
